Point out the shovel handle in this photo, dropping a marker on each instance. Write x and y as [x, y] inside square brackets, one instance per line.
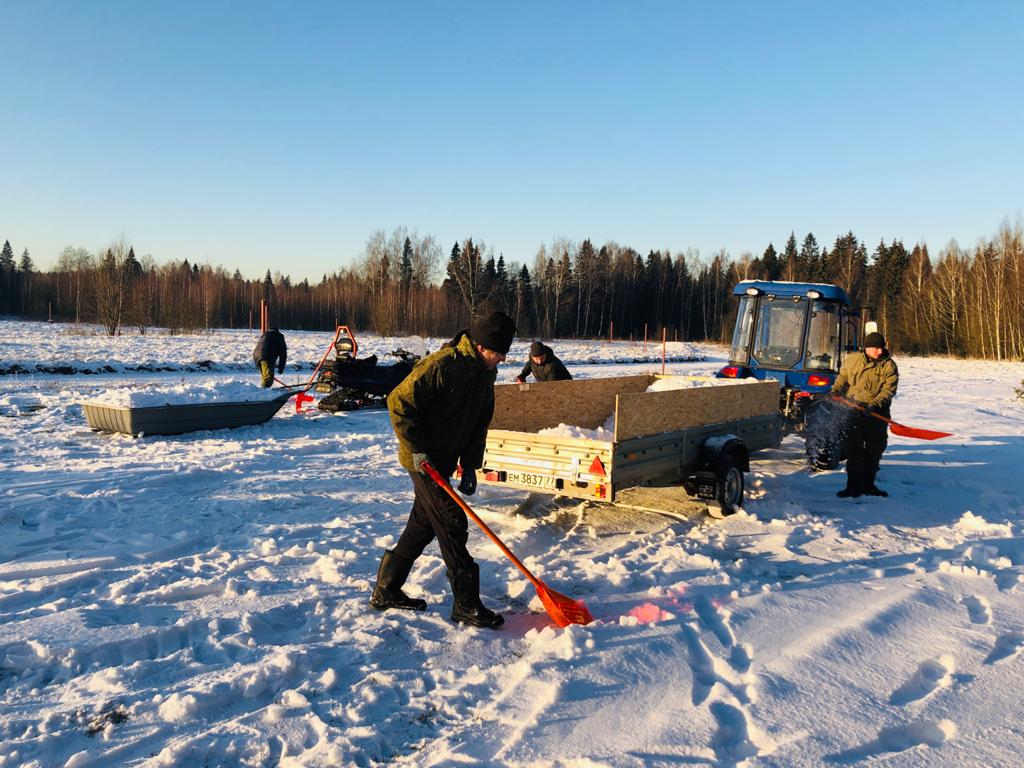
[897, 428]
[861, 408]
[434, 475]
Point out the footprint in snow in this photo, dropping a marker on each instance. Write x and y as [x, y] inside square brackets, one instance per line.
[978, 609]
[931, 675]
[733, 742]
[899, 738]
[1007, 646]
[716, 619]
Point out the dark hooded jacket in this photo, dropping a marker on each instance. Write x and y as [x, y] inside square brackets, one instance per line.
[271, 347]
[551, 369]
[867, 381]
[443, 408]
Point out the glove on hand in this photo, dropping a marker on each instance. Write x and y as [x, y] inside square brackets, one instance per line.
[468, 485]
[418, 459]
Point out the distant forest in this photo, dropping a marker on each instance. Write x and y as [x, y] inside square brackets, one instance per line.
[964, 302]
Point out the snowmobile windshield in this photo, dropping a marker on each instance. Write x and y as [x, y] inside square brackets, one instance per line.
[740, 352]
[780, 330]
[823, 336]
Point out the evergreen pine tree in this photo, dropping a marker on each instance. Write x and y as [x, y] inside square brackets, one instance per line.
[770, 264]
[791, 260]
[7, 257]
[405, 268]
[7, 269]
[809, 258]
[523, 301]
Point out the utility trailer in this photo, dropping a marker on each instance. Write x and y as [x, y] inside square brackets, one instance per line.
[666, 449]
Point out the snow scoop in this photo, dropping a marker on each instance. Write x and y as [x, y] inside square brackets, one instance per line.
[897, 429]
[563, 610]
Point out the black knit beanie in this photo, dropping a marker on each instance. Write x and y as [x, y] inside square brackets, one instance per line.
[495, 332]
[874, 340]
[537, 349]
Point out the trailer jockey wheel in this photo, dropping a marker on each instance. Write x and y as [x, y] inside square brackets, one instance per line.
[730, 486]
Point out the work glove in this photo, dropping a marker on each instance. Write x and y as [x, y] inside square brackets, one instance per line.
[418, 459]
[468, 485]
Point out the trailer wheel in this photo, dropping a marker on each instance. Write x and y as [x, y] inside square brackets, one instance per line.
[730, 485]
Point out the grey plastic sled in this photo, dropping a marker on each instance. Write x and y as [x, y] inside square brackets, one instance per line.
[178, 419]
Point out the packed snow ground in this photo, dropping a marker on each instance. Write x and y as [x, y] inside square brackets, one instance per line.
[202, 599]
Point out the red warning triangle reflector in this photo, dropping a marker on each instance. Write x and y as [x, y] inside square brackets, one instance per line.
[597, 467]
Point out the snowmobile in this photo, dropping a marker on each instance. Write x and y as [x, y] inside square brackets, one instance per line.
[352, 383]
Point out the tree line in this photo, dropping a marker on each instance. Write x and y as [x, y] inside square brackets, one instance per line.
[960, 301]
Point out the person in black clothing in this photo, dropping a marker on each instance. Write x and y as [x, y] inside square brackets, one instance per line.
[543, 365]
[270, 351]
[440, 414]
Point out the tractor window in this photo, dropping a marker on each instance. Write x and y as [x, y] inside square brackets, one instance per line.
[780, 329]
[823, 336]
[740, 352]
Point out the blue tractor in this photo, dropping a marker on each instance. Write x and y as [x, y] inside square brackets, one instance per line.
[796, 334]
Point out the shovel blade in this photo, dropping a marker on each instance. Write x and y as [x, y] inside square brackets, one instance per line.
[920, 434]
[563, 610]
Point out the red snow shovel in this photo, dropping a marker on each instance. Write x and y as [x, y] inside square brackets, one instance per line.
[562, 610]
[897, 429]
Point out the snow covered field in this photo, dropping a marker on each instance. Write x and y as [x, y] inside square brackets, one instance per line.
[201, 600]
[30, 348]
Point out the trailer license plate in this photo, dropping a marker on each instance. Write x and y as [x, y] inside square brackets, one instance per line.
[531, 480]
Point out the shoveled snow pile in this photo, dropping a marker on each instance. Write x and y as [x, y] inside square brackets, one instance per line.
[192, 393]
[605, 432]
[669, 383]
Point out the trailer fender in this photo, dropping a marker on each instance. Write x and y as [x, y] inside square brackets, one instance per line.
[719, 477]
[715, 449]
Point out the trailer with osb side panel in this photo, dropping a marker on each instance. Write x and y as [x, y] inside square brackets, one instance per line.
[667, 449]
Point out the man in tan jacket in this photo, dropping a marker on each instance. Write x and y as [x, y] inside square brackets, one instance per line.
[869, 380]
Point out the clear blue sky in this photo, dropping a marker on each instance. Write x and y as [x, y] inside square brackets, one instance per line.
[280, 135]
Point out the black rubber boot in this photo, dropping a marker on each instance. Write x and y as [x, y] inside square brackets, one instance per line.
[869, 488]
[853, 487]
[391, 575]
[467, 608]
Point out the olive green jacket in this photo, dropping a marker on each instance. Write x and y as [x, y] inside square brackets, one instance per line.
[872, 382]
[443, 407]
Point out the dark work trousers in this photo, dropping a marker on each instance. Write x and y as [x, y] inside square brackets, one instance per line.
[435, 513]
[864, 444]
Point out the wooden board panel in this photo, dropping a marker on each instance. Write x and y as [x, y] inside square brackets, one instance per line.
[583, 403]
[651, 413]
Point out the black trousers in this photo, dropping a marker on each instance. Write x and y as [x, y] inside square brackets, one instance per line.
[864, 443]
[435, 514]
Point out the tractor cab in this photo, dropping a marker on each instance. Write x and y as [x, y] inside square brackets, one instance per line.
[794, 333]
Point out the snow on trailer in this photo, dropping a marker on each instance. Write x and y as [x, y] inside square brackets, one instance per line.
[657, 450]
